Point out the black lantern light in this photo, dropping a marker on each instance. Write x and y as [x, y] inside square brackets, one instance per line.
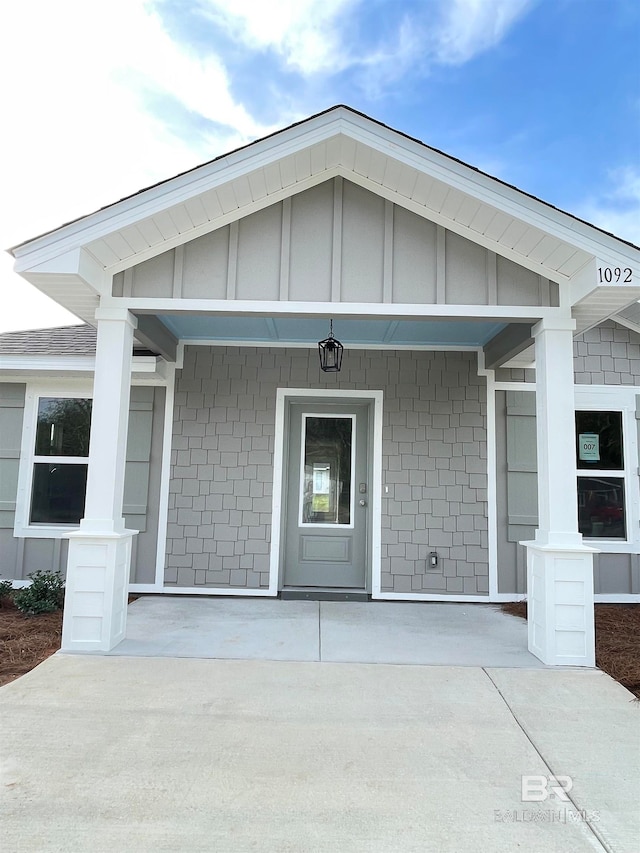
[330, 351]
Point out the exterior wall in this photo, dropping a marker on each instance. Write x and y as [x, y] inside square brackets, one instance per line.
[516, 503]
[606, 355]
[142, 478]
[21, 556]
[434, 462]
[516, 485]
[336, 243]
[609, 354]
[515, 374]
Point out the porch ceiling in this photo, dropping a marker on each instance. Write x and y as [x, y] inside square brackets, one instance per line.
[352, 332]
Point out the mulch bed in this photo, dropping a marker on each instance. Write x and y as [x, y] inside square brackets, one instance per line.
[25, 641]
[617, 640]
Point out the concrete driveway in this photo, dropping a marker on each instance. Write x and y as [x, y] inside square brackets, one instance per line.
[164, 754]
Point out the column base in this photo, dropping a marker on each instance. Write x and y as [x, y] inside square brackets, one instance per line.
[560, 616]
[95, 605]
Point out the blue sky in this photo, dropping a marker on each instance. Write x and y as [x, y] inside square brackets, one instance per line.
[103, 99]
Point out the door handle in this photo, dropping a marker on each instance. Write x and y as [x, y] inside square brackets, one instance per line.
[363, 502]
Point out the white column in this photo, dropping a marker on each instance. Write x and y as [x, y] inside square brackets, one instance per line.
[100, 551]
[559, 566]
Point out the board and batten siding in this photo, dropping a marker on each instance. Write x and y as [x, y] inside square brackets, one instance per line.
[434, 462]
[336, 243]
[20, 556]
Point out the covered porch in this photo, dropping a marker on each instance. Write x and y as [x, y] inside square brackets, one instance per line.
[380, 632]
[425, 263]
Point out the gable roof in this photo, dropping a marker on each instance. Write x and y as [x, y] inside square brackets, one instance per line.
[284, 130]
[74, 264]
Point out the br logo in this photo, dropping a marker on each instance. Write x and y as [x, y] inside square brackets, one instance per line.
[537, 789]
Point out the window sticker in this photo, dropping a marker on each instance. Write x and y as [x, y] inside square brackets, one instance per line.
[589, 447]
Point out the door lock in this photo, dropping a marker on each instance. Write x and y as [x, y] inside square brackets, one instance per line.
[363, 502]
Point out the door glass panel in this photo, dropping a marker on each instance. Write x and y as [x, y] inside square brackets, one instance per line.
[326, 483]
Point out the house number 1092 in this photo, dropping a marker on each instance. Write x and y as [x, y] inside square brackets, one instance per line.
[608, 275]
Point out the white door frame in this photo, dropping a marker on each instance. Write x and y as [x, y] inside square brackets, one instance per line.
[374, 533]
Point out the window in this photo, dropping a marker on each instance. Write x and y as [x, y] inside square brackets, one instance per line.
[61, 450]
[327, 462]
[600, 455]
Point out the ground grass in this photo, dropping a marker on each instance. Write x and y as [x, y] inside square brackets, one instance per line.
[617, 640]
[25, 641]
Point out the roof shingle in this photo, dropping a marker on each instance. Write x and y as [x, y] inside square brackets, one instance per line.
[62, 340]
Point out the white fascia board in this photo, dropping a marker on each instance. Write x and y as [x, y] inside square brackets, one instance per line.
[145, 369]
[491, 191]
[48, 363]
[586, 282]
[628, 324]
[363, 310]
[76, 265]
[174, 191]
[263, 344]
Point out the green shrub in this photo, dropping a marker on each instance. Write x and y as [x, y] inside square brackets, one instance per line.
[45, 594]
[6, 590]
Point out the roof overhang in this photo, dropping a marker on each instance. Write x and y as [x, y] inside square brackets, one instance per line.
[75, 263]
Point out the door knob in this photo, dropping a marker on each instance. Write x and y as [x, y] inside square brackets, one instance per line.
[363, 502]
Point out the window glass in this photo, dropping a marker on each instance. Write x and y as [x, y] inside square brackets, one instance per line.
[601, 507]
[63, 427]
[58, 493]
[599, 441]
[326, 493]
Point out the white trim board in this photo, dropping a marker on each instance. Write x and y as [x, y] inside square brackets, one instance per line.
[361, 310]
[430, 596]
[215, 590]
[616, 598]
[285, 395]
[492, 475]
[165, 477]
[262, 344]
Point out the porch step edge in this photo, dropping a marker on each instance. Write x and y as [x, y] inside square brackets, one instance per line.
[304, 594]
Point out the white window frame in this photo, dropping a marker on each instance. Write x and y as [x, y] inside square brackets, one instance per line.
[617, 399]
[67, 389]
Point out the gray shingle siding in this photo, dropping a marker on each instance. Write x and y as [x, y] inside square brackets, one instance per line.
[608, 354]
[434, 460]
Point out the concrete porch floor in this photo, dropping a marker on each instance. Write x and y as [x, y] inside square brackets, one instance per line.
[423, 633]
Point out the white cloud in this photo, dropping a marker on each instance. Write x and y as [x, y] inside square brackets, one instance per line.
[305, 33]
[80, 133]
[313, 36]
[469, 27]
[79, 78]
[617, 208]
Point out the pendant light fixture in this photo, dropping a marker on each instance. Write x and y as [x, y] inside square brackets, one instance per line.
[330, 351]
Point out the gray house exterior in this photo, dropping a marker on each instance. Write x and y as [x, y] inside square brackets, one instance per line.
[482, 429]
